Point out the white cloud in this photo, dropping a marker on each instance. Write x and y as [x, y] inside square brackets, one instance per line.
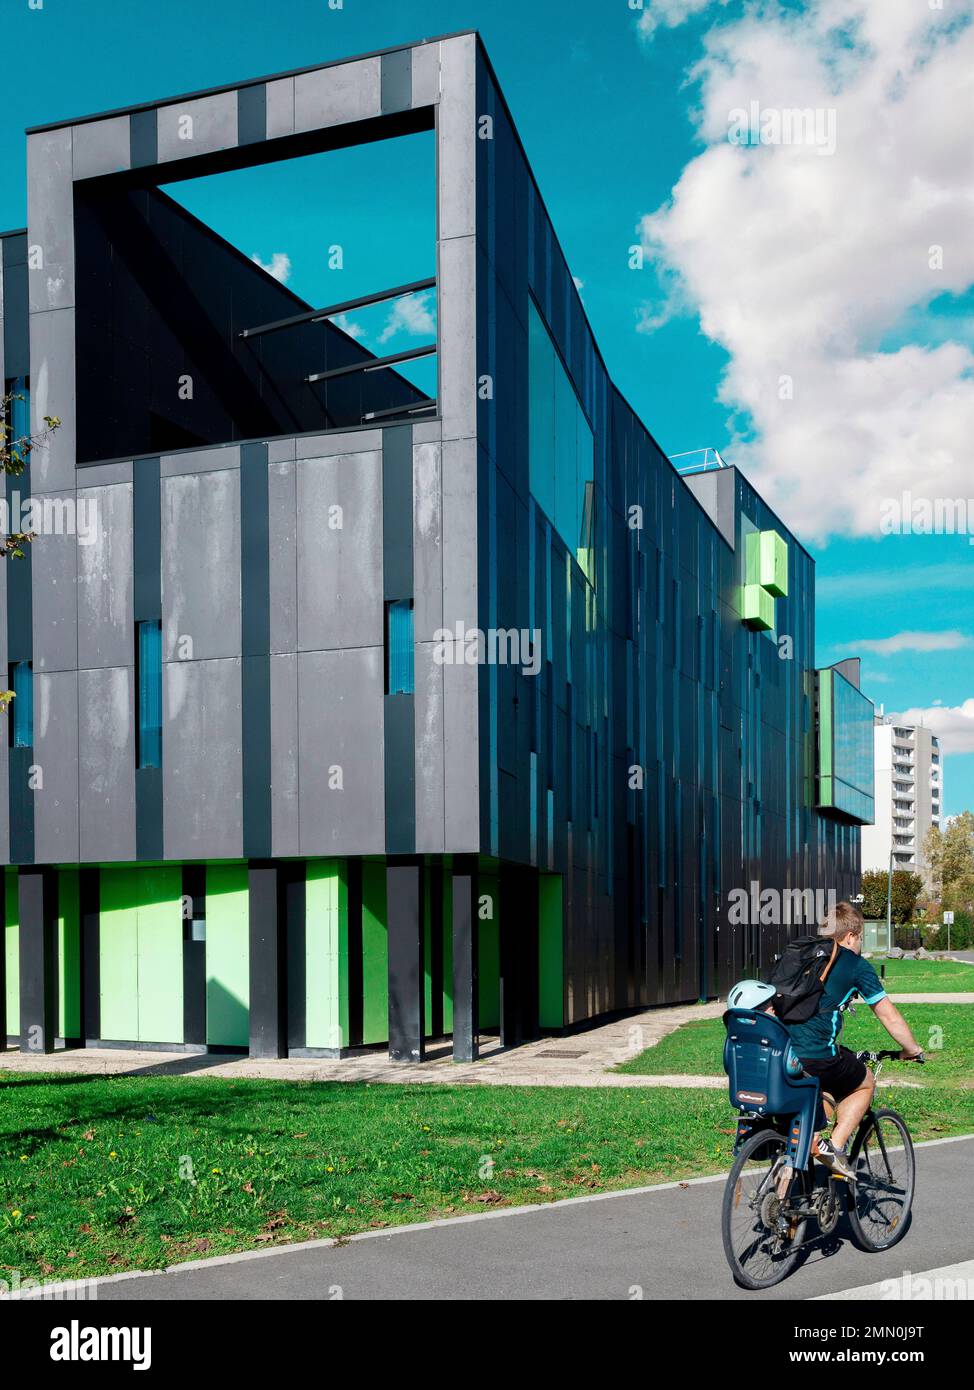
[347, 325]
[953, 724]
[799, 264]
[279, 266]
[910, 642]
[410, 315]
[669, 13]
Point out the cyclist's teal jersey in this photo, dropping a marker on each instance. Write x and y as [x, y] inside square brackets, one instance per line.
[850, 975]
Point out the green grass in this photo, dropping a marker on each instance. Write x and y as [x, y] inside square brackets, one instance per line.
[104, 1174]
[926, 976]
[946, 1032]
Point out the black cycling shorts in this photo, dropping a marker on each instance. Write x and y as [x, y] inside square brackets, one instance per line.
[839, 1075]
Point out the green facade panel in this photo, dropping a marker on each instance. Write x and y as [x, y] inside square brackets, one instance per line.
[551, 963]
[375, 954]
[227, 956]
[326, 954]
[141, 954]
[69, 955]
[489, 955]
[118, 944]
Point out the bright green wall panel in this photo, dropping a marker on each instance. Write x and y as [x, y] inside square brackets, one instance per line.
[118, 946]
[12, 950]
[375, 954]
[551, 1000]
[227, 955]
[326, 954]
[488, 929]
[69, 955]
[160, 954]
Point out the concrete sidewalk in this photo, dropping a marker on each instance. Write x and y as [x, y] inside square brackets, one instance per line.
[582, 1059]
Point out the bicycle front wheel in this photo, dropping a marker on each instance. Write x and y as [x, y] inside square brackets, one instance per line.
[761, 1239]
[882, 1195]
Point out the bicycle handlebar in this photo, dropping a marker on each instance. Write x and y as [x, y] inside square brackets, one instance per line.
[889, 1055]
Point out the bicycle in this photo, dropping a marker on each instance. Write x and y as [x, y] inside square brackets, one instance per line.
[775, 1190]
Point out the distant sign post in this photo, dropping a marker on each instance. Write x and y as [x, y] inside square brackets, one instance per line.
[948, 923]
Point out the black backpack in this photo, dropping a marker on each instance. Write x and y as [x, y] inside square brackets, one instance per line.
[799, 977]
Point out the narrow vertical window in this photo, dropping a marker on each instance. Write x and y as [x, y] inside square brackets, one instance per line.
[22, 723]
[400, 679]
[149, 677]
[19, 423]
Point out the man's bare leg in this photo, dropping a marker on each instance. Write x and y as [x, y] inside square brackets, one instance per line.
[851, 1110]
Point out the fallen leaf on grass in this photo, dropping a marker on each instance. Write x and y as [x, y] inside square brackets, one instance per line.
[484, 1198]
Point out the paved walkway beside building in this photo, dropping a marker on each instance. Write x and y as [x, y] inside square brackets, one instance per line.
[581, 1059]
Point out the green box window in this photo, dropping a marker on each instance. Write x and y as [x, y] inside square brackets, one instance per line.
[767, 562]
[758, 607]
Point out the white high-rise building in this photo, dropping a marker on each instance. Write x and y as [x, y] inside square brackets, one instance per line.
[909, 797]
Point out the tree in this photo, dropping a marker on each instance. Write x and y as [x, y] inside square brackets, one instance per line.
[950, 854]
[907, 888]
[15, 450]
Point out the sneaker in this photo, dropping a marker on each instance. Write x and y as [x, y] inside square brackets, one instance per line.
[834, 1158]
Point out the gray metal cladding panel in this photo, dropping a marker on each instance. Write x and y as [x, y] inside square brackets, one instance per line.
[52, 374]
[200, 460]
[340, 718]
[105, 612]
[284, 755]
[54, 565]
[106, 774]
[335, 95]
[426, 74]
[279, 107]
[202, 791]
[102, 147]
[429, 765]
[283, 576]
[197, 127]
[460, 538]
[427, 540]
[56, 838]
[50, 219]
[340, 595]
[201, 565]
[462, 770]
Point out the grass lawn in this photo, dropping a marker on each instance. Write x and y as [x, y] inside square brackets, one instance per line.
[926, 976]
[946, 1031]
[104, 1174]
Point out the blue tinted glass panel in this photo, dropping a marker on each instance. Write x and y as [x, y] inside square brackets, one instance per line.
[562, 448]
[853, 763]
[22, 685]
[19, 410]
[401, 677]
[150, 694]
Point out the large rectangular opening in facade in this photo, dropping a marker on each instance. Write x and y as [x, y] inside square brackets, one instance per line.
[256, 302]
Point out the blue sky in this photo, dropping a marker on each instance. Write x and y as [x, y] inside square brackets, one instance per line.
[759, 264]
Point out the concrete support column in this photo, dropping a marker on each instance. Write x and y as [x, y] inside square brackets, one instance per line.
[268, 962]
[466, 974]
[404, 914]
[38, 895]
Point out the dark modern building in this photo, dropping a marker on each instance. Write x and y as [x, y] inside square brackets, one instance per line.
[254, 797]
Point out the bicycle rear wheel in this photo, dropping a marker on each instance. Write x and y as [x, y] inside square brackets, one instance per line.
[880, 1199]
[761, 1243]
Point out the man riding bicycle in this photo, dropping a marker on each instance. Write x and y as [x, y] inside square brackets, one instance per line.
[840, 1073]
